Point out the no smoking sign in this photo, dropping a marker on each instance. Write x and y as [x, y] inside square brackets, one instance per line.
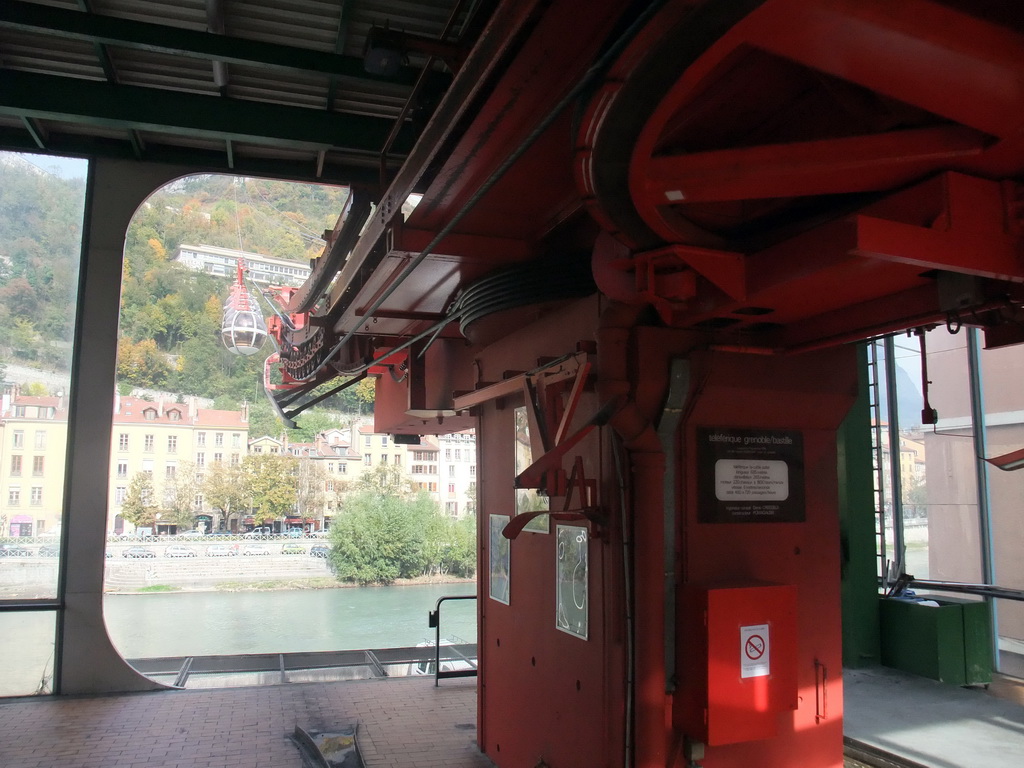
[755, 651]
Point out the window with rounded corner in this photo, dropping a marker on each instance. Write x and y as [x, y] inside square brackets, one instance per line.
[213, 554]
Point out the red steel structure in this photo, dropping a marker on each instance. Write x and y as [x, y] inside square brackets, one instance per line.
[652, 230]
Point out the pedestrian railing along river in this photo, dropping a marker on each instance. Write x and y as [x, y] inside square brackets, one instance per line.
[301, 667]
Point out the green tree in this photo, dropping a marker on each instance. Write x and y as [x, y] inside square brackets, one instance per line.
[263, 420]
[310, 488]
[180, 491]
[142, 364]
[380, 538]
[450, 545]
[224, 488]
[385, 480]
[311, 423]
[25, 339]
[139, 506]
[270, 480]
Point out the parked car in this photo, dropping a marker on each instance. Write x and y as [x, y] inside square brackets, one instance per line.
[138, 552]
[179, 550]
[13, 550]
[319, 550]
[51, 550]
[255, 549]
[192, 534]
[258, 532]
[221, 550]
[296, 533]
[293, 549]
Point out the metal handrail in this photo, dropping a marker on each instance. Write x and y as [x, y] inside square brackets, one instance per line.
[982, 590]
[434, 620]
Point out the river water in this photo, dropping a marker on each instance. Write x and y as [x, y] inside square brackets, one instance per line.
[217, 623]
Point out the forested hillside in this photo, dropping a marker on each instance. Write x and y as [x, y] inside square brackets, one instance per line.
[40, 232]
[170, 317]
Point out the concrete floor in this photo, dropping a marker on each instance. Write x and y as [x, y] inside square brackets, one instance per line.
[402, 724]
[408, 723]
[931, 723]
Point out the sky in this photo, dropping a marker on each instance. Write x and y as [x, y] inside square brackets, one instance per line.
[64, 167]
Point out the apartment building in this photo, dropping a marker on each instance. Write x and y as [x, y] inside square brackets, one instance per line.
[161, 438]
[33, 445]
[457, 469]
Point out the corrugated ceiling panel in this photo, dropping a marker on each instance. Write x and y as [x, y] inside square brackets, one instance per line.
[189, 14]
[160, 70]
[178, 140]
[367, 104]
[294, 89]
[302, 23]
[298, 156]
[79, 129]
[71, 5]
[42, 53]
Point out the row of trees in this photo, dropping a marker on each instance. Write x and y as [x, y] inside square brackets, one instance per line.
[263, 486]
[382, 530]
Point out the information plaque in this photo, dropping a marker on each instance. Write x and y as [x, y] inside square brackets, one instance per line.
[750, 476]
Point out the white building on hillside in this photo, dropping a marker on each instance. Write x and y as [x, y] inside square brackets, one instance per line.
[267, 270]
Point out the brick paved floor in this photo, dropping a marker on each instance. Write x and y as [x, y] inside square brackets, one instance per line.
[402, 724]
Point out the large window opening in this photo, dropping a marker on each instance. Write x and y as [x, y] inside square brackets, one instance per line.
[219, 517]
[42, 206]
[944, 417]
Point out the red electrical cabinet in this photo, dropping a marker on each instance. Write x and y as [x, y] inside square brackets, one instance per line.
[738, 661]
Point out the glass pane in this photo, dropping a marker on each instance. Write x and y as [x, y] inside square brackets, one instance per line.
[940, 489]
[1002, 372]
[42, 205]
[26, 642]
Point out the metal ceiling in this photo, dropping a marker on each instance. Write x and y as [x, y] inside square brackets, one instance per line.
[275, 87]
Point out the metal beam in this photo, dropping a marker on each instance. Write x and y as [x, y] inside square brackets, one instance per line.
[199, 160]
[36, 131]
[27, 94]
[127, 33]
[828, 166]
[344, 14]
[961, 250]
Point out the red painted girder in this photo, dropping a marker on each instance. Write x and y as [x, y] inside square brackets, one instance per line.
[497, 250]
[894, 312]
[971, 253]
[518, 205]
[561, 46]
[849, 164]
[959, 67]
[459, 259]
[923, 53]
[855, 260]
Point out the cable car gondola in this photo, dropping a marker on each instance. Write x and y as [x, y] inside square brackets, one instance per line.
[243, 329]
